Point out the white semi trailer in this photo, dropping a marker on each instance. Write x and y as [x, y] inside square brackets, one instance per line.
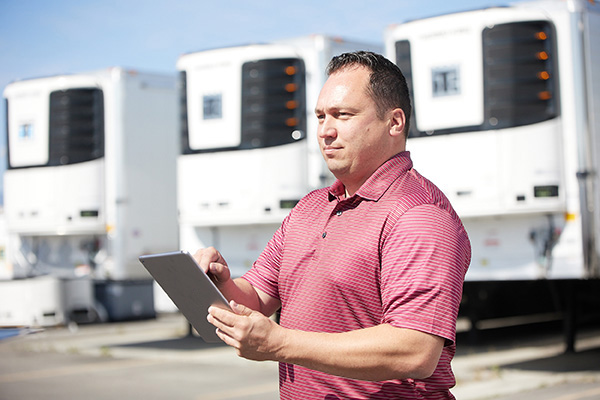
[507, 122]
[90, 186]
[250, 149]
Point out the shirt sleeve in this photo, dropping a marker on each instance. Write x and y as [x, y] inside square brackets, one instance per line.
[424, 260]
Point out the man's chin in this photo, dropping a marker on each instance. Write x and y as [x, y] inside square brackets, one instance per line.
[337, 169]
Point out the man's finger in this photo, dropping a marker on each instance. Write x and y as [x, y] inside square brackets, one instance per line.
[225, 317]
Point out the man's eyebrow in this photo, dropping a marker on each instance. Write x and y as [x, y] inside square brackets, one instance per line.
[328, 109]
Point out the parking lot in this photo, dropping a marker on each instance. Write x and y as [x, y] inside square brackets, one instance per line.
[156, 359]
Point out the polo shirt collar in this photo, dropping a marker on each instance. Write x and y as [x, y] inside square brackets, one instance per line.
[380, 181]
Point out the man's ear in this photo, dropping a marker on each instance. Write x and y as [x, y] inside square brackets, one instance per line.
[398, 121]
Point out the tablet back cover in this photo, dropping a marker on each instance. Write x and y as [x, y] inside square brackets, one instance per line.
[188, 286]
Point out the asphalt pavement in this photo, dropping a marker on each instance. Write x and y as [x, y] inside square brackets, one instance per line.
[157, 359]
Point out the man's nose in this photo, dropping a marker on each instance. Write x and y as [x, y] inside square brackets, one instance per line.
[327, 128]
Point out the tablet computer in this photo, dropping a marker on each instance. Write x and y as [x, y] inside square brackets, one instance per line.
[188, 286]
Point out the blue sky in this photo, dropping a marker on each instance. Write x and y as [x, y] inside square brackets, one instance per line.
[40, 37]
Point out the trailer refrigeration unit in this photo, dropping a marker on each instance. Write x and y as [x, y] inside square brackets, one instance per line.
[90, 186]
[249, 146]
[507, 122]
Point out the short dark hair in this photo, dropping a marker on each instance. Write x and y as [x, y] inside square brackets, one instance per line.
[387, 84]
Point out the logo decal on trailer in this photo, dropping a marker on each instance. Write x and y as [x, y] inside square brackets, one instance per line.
[445, 81]
[212, 106]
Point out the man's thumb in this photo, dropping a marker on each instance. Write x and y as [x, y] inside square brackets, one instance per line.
[239, 308]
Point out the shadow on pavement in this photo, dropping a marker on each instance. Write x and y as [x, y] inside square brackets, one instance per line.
[586, 360]
[189, 342]
[509, 337]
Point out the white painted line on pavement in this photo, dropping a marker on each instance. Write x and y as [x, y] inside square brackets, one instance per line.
[75, 370]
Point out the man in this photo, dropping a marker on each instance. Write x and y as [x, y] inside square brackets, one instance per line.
[368, 273]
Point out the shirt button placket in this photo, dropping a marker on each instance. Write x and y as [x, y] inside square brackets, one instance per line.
[339, 214]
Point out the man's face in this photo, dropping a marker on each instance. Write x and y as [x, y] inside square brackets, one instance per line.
[353, 140]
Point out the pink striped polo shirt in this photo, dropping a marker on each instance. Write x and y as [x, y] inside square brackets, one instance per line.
[395, 252]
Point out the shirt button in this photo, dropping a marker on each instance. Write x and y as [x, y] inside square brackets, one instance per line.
[339, 213]
[324, 234]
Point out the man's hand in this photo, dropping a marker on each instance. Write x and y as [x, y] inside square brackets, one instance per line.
[213, 263]
[253, 335]
[239, 289]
